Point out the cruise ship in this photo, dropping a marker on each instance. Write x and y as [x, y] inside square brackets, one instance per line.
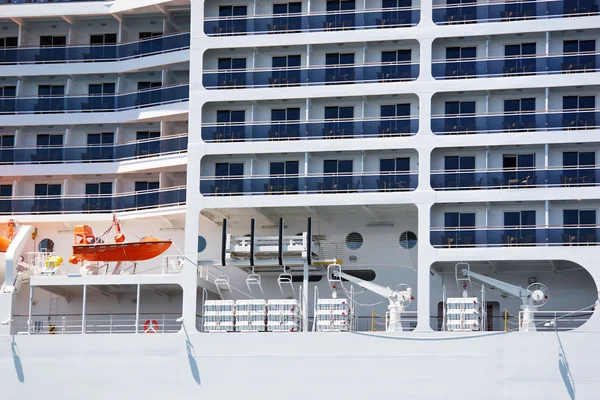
[299, 199]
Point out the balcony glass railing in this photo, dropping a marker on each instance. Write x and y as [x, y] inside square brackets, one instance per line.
[515, 122]
[516, 179]
[315, 21]
[503, 11]
[515, 236]
[515, 66]
[311, 184]
[95, 103]
[318, 75]
[82, 204]
[111, 52]
[308, 130]
[109, 153]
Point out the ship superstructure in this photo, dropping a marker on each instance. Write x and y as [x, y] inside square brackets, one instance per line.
[403, 189]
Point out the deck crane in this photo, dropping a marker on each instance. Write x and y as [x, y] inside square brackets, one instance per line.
[399, 299]
[534, 296]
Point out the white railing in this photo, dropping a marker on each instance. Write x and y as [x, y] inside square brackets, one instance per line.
[558, 320]
[148, 323]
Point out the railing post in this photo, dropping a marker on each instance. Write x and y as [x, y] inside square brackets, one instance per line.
[30, 309]
[137, 309]
[83, 321]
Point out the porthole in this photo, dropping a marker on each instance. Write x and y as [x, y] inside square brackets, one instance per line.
[354, 241]
[46, 245]
[201, 244]
[408, 240]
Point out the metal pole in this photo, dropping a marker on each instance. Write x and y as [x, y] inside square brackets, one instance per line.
[137, 310]
[83, 323]
[305, 296]
[30, 308]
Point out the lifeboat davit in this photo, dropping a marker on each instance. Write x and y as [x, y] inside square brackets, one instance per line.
[89, 248]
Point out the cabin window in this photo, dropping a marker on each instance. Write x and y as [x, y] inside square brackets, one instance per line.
[408, 240]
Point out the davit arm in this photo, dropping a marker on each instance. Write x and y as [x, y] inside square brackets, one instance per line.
[513, 290]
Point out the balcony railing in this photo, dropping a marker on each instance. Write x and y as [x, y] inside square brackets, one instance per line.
[312, 129]
[311, 184]
[95, 103]
[516, 179]
[515, 66]
[515, 122]
[315, 21]
[515, 236]
[478, 12]
[314, 75]
[83, 53]
[83, 204]
[107, 153]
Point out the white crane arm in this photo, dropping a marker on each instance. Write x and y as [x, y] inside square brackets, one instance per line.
[373, 287]
[513, 290]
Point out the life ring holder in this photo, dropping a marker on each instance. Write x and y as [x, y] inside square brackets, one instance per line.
[151, 326]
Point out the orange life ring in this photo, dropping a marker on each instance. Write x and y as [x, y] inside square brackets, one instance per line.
[150, 326]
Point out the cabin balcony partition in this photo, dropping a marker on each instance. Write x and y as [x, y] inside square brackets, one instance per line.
[515, 122]
[95, 103]
[309, 184]
[516, 66]
[95, 153]
[457, 12]
[96, 53]
[375, 18]
[78, 204]
[311, 130]
[551, 177]
[313, 75]
[520, 236]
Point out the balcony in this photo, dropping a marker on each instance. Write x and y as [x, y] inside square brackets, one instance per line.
[311, 184]
[313, 22]
[112, 153]
[105, 53]
[95, 103]
[516, 179]
[308, 76]
[505, 11]
[515, 236]
[515, 122]
[516, 66]
[84, 204]
[309, 130]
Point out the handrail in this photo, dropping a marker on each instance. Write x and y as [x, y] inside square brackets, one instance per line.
[515, 57]
[309, 175]
[531, 169]
[95, 196]
[95, 94]
[306, 14]
[114, 145]
[309, 67]
[310, 121]
[69, 46]
[525, 112]
[491, 2]
[510, 227]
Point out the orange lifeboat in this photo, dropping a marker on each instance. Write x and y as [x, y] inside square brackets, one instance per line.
[5, 241]
[89, 248]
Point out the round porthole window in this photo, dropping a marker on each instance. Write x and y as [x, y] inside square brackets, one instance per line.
[408, 240]
[201, 244]
[354, 241]
[46, 245]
